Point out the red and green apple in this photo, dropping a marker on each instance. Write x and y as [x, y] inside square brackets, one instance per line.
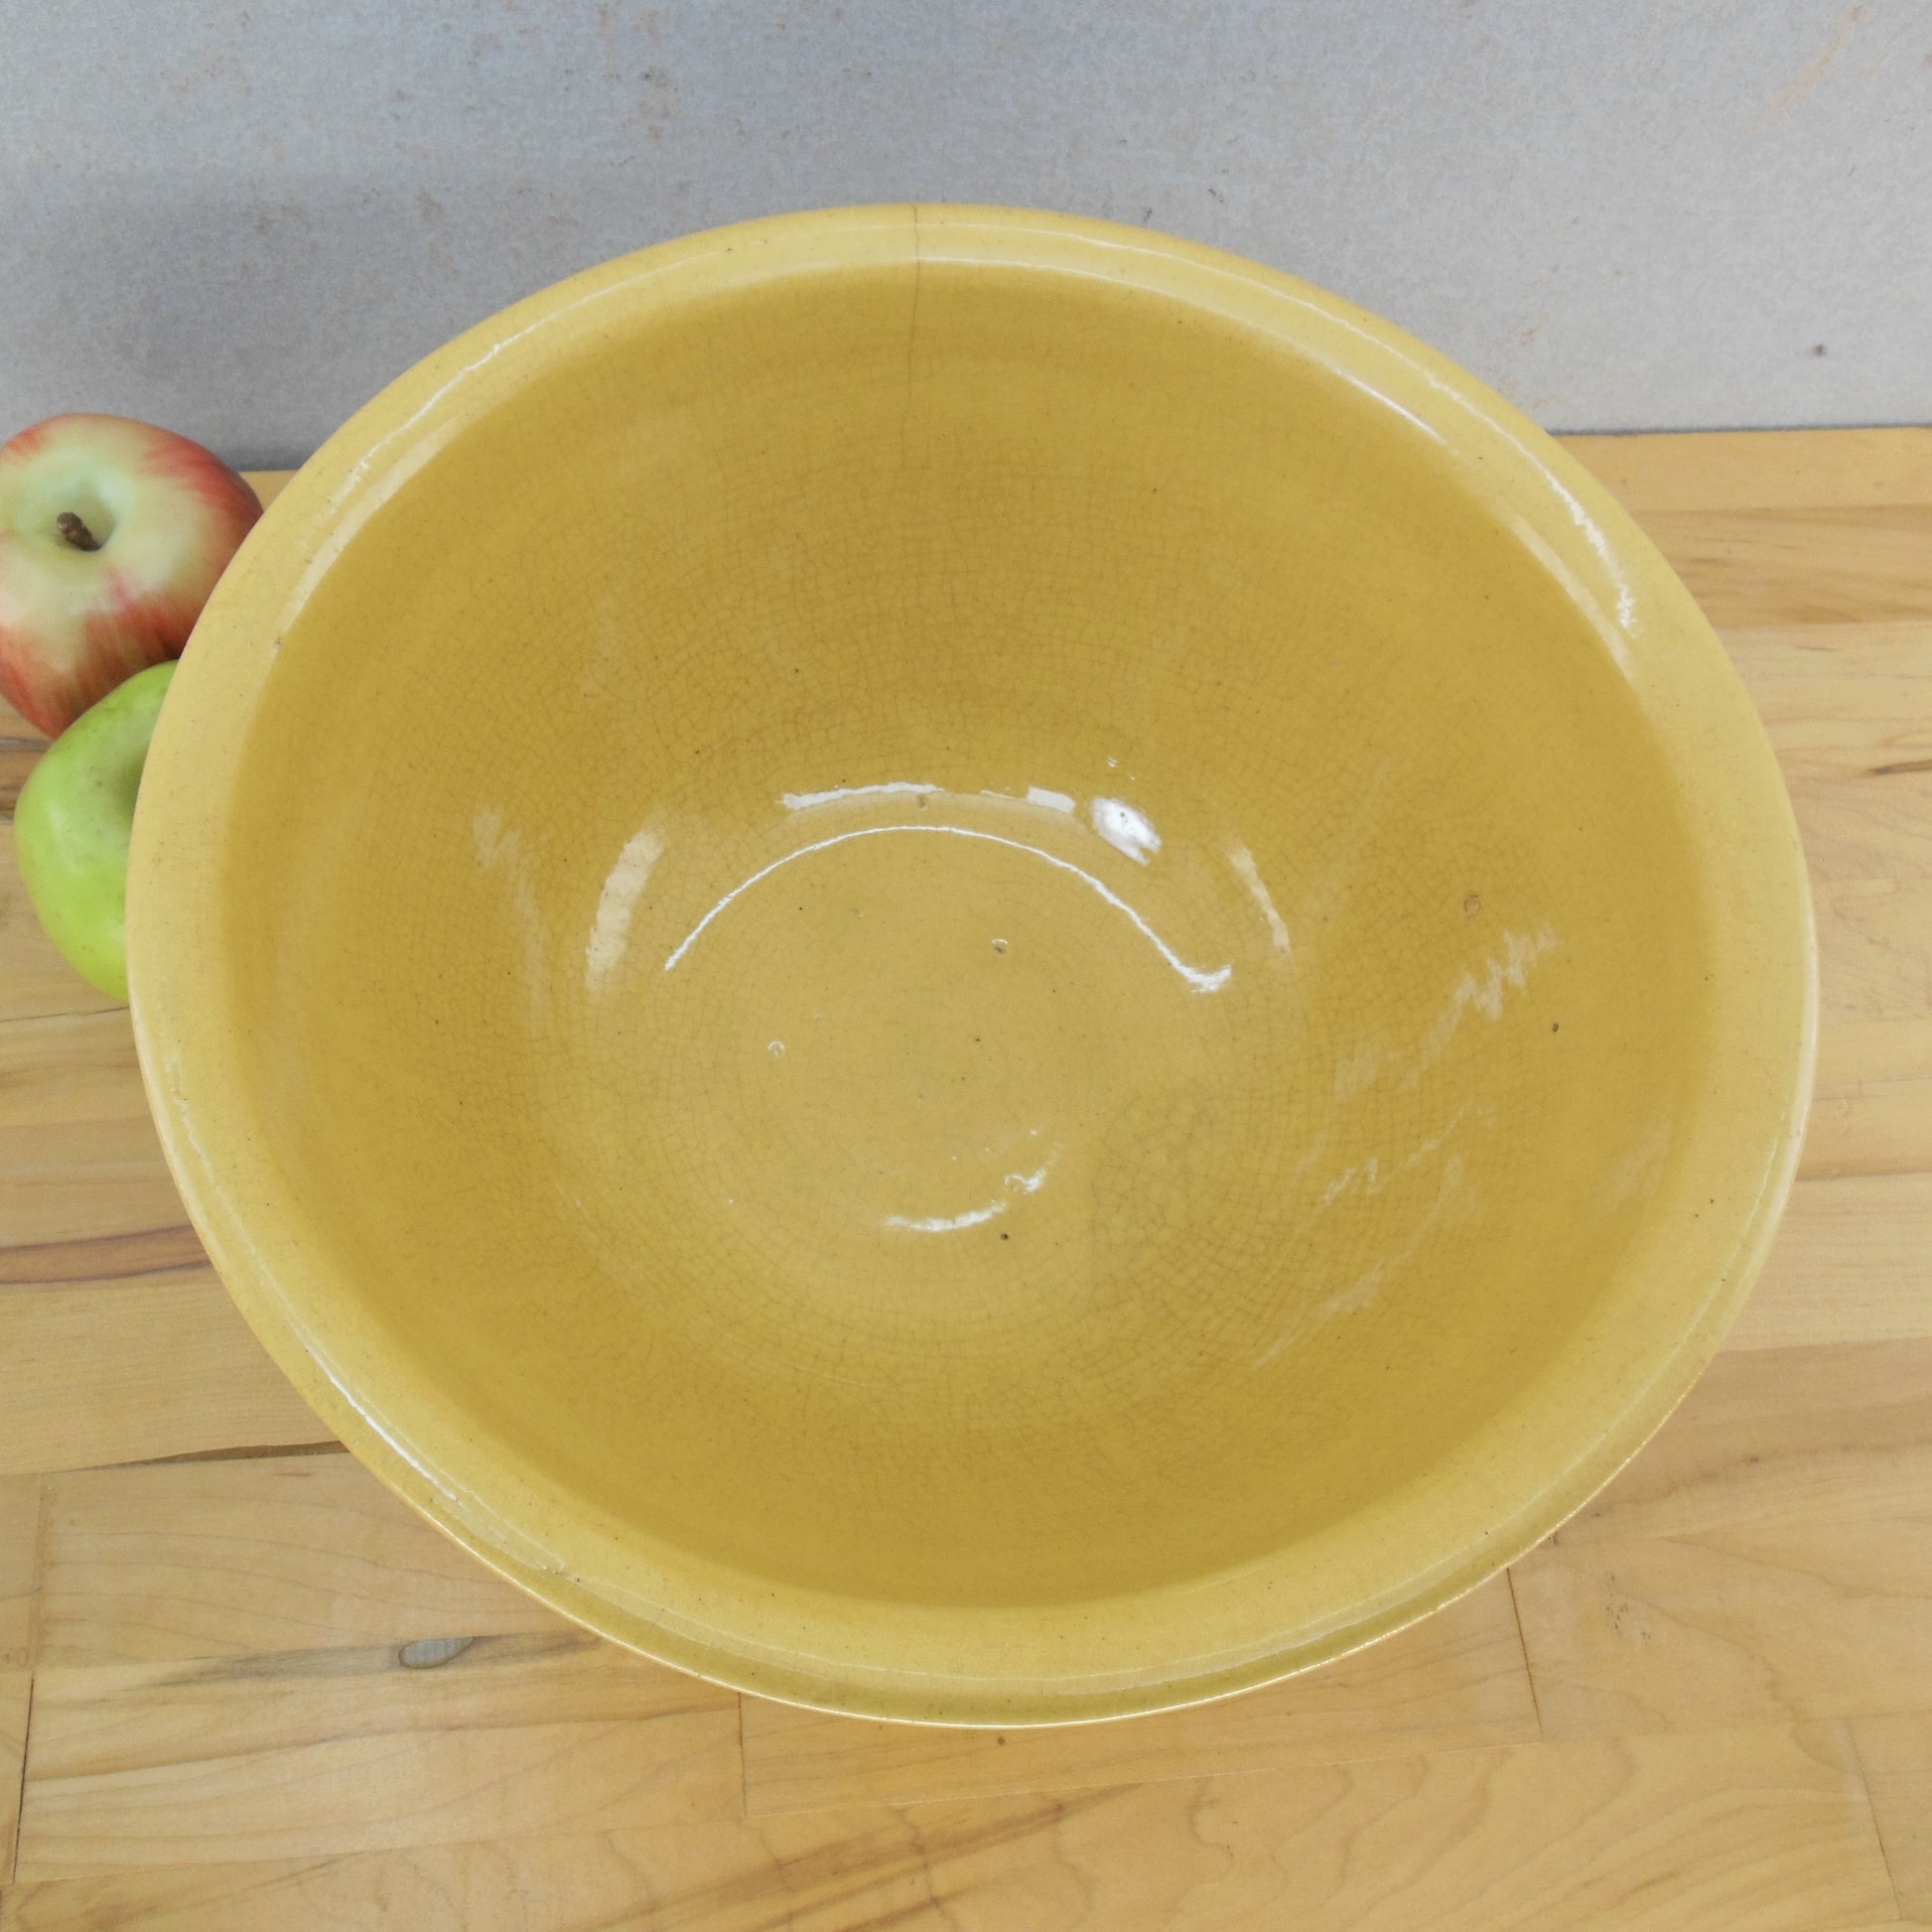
[113, 535]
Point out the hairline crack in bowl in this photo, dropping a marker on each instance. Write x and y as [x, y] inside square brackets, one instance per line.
[970, 966]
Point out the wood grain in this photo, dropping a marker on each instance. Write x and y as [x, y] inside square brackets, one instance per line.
[77, 1142]
[1852, 1262]
[1776, 1437]
[20, 1520]
[1895, 1754]
[254, 1658]
[1849, 711]
[1864, 824]
[1451, 1682]
[1758, 1830]
[1872, 958]
[135, 1368]
[1770, 1554]
[20, 1527]
[319, 1751]
[200, 1559]
[20, 751]
[1743, 470]
[102, 1258]
[1871, 1111]
[1800, 564]
[126, 1345]
[69, 1071]
[16, 1698]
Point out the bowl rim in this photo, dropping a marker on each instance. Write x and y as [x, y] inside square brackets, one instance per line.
[878, 1660]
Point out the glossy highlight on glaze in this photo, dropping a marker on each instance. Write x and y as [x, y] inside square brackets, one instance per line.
[1199, 979]
[1104, 989]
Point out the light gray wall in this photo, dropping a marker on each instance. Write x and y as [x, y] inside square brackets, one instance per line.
[241, 220]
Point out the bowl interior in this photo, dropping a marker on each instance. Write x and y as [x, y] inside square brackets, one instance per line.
[949, 938]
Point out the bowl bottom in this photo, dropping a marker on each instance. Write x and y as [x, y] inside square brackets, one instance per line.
[952, 1116]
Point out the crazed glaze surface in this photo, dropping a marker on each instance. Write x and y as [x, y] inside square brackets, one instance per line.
[968, 965]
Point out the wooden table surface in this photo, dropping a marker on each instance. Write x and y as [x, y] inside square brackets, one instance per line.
[241, 1687]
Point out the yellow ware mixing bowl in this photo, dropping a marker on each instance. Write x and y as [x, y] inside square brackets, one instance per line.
[969, 966]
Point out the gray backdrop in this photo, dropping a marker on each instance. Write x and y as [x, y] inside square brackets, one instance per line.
[242, 220]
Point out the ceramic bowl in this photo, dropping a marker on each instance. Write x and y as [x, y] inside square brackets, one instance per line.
[969, 966]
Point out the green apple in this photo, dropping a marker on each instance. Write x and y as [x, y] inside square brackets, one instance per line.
[74, 822]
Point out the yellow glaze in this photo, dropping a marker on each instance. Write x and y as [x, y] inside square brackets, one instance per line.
[970, 966]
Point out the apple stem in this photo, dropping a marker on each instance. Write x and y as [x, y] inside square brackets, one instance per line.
[76, 531]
